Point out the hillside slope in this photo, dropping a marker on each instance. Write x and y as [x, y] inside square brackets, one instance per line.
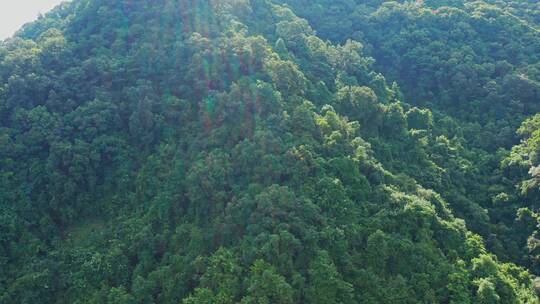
[180, 151]
[475, 65]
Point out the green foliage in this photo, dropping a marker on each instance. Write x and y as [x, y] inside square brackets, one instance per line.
[326, 284]
[231, 152]
[264, 285]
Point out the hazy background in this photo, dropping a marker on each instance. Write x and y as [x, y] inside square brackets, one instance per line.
[15, 13]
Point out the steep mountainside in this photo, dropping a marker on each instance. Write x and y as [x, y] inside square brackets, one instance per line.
[224, 151]
[475, 64]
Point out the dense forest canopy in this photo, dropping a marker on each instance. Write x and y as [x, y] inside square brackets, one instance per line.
[272, 151]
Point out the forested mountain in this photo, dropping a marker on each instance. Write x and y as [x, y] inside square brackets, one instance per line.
[272, 151]
[476, 66]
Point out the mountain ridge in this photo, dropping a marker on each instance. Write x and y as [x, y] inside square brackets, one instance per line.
[175, 151]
